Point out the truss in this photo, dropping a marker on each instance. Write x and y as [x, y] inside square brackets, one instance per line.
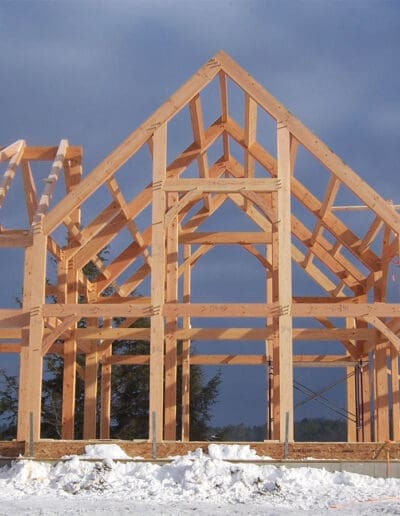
[295, 220]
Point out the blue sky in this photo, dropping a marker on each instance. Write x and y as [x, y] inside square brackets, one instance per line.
[92, 71]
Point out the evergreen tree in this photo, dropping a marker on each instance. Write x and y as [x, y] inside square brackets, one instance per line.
[129, 402]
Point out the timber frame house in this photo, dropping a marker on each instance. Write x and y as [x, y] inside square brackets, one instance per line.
[295, 225]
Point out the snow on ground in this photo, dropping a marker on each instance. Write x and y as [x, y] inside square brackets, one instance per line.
[200, 484]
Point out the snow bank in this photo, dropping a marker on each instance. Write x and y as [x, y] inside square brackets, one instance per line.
[104, 451]
[192, 481]
[232, 452]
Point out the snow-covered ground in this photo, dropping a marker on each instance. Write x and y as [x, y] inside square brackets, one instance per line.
[197, 484]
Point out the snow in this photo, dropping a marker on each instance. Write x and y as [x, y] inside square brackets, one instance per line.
[204, 483]
[105, 451]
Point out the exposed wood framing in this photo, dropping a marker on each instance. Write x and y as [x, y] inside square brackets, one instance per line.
[351, 269]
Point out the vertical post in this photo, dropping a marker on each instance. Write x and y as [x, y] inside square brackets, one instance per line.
[171, 325]
[350, 394]
[381, 376]
[68, 294]
[285, 280]
[394, 361]
[273, 341]
[366, 402]
[105, 417]
[31, 367]
[186, 347]
[90, 401]
[158, 281]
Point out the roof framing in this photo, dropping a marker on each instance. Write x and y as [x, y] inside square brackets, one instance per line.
[350, 266]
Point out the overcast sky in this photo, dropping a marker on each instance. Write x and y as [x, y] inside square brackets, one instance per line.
[92, 71]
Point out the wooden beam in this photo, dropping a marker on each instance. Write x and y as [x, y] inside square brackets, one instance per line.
[222, 310]
[50, 182]
[68, 291]
[285, 284]
[8, 152]
[394, 367]
[156, 406]
[171, 352]
[9, 174]
[32, 153]
[48, 341]
[225, 238]
[187, 269]
[311, 142]
[132, 309]
[347, 310]
[15, 238]
[30, 389]
[29, 189]
[226, 185]
[131, 144]
[339, 230]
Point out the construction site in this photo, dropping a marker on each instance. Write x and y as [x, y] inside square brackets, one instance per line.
[221, 139]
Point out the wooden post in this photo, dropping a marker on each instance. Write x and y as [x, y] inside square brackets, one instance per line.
[350, 395]
[285, 282]
[90, 399]
[70, 349]
[171, 325]
[186, 347]
[105, 417]
[273, 341]
[158, 281]
[366, 390]
[31, 367]
[394, 362]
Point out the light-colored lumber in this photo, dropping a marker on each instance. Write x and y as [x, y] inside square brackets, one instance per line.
[225, 238]
[156, 406]
[29, 190]
[9, 174]
[310, 141]
[350, 394]
[222, 185]
[30, 388]
[42, 153]
[339, 230]
[223, 310]
[90, 398]
[8, 152]
[68, 291]
[394, 368]
[131, 144]
[132, 309]
[285, 284]
[15, 238]
[50, 182]
[185, 361]
[171, 352]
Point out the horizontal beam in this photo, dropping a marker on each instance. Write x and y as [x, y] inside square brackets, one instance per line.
[261, 360]
[15, 239]
[346, 309]
[10, 348]
[275, 310]
[13, 318]
[99, 310]
[256, 237]
[222, 185]
[49, 153]
[222, 310]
